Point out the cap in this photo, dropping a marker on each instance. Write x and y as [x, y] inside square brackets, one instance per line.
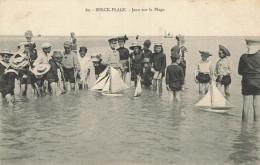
[56, 54]
[46, 45]
[112, 40]
[67, 44]
[205, 53]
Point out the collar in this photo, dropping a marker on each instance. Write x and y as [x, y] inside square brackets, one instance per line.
[11, 71]
[4, 63]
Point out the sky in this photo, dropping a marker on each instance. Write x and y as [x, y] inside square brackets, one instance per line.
[187, 17]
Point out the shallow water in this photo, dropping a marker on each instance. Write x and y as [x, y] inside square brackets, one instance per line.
[89, 128]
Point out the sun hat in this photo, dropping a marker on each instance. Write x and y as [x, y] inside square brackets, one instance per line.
[18, 61]
[122, 38]
[56, 54]
[250, 42]
[41, 69]
[46, 45]
[67, 44]
[135, 44]
[28, 33]
[112, 40]
[180, 37]
[6, 52]
[147, 43]
[205, 53]
[226, 52]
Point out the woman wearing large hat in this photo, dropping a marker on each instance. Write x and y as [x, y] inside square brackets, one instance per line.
[136, 58]
[7, 79]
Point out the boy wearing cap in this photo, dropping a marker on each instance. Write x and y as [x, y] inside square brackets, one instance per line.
[174, 78]
[180, 49]
[4, 62]
[43, 56]
[159, 64]
[124, 54]
[70, 65]
[137, 57]
[223, 69]
[203, 72]
[249, 69]
[111, 56]
[53, 77]
[7, 79]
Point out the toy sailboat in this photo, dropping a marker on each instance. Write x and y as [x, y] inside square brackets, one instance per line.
[214, 100]
[109, 83]
[138, 88]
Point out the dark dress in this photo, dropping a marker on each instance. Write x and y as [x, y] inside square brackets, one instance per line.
[174, 77]
[159, 62]
[136, 67]
[148, 54]
[7, 82]
[124, 55]
[249, 68]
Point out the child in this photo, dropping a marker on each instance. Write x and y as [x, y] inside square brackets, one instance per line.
[136, 58]
[203, 72]
[124, 54]
[174, 78]
[249, 69]
[147, 53]
[147, 73]
[223, 69]
[159, 64]
[7, 79]
[4, 63]
[52, 76]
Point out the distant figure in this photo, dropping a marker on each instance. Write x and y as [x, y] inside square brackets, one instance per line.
[159, 64]
[73, 41]
[174, 78]
[249, 69]
[223, 69]
[124, 54]
[203, 72]
[181, 49]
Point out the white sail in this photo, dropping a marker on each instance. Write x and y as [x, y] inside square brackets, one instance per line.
[100, 85]
[117, 83]
[107, 86]
[214, 99]
[138, 88]
[101, 76]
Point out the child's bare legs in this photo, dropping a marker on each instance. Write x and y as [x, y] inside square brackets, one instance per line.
[200, 88]
[53, 86]
[218, 85]
[256, 107]
[171, 95]
[10, 98]
[226, 88]
[65, 85]
[178, 95]
[154, 84]
[72, 86]
[160, 84]
[124, 75]
[206, 87]
[246, 105]
[23, 89]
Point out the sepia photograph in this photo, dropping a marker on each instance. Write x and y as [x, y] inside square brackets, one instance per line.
[129, 82]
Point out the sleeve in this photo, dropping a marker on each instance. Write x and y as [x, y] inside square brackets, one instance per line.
[11, 83]
[181, 76]
[229, 71]
[76, 62]
[216, 69]
[196, 70]
[163, 64]
[211, 69]
[167, 76]
[105, 59]
[241, 65]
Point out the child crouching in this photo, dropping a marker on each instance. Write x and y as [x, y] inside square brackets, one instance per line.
[174, 78]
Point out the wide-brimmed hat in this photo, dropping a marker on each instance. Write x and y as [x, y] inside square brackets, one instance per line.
[6, 52]
[205, 53]
[225, 51]
[41, 69]
[146, 60]
[252, 42]
[19, 61]
[112, 40]
[46, 45]
[28, 33]
[180, 37]
[56, 54]
[122, 38]
[67, 44]
[147, 43]
[135, 44]
[95, 58]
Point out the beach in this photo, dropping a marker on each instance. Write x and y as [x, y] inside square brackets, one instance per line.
[89, 128]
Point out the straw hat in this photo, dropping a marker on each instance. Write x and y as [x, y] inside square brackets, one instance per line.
[135, 44]
[19, 61]
[205, 53]
[95, 58]
[6, 52]
[112, 40]
[226, 52]
[28, 33]
[56, 54]
[46, 45]
[41, 69]
[67, 44]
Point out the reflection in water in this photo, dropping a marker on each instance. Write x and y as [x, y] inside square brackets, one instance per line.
[246, 145]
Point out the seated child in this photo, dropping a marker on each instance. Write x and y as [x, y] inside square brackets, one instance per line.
[174, 78]
[203, 72]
